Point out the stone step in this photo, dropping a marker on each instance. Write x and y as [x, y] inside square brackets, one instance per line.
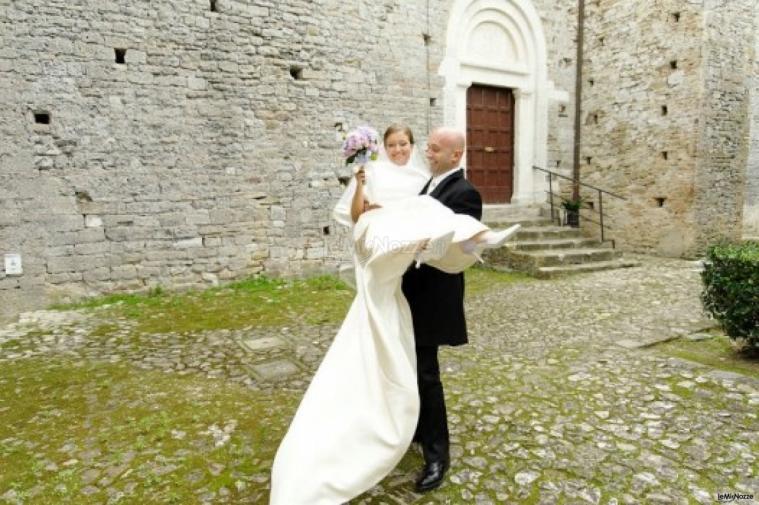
[510, 213]
[546, 250]
[556, 271]
[533, 222]
[561, 243]
[532, 260]
[550, 232]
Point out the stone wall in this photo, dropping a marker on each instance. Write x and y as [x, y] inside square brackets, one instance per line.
[639, 59]
[723, 150]
[209, 154]
[751, 207]
[664, 119]
[560, 26]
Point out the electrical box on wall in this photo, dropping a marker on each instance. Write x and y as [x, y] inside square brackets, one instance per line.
[13, 264]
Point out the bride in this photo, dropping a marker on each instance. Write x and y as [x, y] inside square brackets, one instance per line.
[358, 415]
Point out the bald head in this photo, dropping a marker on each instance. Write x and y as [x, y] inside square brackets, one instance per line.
[445, 147]
[450, 137]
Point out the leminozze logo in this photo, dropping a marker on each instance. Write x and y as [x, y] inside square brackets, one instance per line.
[733, 497]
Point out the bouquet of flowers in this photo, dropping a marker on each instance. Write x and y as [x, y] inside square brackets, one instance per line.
[361, 145]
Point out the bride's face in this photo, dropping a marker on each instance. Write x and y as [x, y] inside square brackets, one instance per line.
[398, 147]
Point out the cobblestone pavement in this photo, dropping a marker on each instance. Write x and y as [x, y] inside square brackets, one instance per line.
[556, 399]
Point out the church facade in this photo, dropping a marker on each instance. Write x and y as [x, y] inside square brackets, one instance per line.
[189, 143]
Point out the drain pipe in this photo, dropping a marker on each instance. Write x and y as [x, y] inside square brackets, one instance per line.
[578, 101]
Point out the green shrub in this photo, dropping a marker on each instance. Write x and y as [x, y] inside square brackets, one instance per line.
[731, 289]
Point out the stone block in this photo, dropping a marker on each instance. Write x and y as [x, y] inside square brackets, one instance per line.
[64, 278]
[97, 274]
[262, 343]
[184, 232]
[123, 272]
[315, 253]
[197, 83]
[64, 264]
[62, 223]
[189, 243]
[93, 221]
[275, 370]
[135, 57]
[87, 248]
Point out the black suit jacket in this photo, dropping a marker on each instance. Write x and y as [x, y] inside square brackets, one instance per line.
[436, 298]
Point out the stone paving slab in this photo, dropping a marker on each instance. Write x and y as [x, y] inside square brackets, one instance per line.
[275, 370]
[259, 344]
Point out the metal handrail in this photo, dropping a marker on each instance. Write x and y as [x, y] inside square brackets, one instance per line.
[581, 183]
[600, 191]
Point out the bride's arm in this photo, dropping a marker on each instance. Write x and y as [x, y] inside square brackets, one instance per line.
[358, 201]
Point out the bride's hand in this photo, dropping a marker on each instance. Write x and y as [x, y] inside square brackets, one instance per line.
[361, 175]
[371, 206]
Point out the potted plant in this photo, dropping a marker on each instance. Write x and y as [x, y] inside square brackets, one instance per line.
[572, 211]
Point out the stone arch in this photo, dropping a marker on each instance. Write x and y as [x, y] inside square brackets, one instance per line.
[501, 43]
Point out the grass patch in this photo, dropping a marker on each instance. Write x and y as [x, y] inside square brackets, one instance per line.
[482, 279]
[257, 302]
[717, 352]
[149, 433]
[254, 302]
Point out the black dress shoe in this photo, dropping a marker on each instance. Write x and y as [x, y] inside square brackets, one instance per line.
[432, 476]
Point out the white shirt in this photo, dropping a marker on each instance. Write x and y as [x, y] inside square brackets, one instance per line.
[438, 179]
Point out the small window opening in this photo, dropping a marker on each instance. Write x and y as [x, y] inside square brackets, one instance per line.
[427, 38]
[433, 102]
[214, 6]
[591, 82]
[120, 56]
[296, 72]
[660, 201]
[675, 16]
[42, 117]
[588, 159]
[665, 155]
[673, 64]
[664, 110]
[601, 40]
[325, 230]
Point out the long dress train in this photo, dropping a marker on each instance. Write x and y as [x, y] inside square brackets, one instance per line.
[359, 413]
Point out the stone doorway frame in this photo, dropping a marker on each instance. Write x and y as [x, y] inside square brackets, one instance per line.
[501, 43]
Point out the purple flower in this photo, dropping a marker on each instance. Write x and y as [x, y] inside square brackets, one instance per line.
[360, 145]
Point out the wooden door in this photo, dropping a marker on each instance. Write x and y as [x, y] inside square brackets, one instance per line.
[490, 142]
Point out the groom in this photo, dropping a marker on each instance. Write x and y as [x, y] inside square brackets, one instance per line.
[437, 305]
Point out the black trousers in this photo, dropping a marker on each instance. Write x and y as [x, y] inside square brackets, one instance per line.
[432, 428]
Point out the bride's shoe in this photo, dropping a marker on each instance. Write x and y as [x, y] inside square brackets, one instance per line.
[433, 249]
[488, 240]
[495, 239]
[470, 247]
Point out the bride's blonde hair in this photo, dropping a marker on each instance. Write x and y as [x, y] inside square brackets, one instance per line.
[398, 128]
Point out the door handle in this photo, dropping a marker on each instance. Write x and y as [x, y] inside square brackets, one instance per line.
[489, 149]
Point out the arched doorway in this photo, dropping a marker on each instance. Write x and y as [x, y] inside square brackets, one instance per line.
[499, 47]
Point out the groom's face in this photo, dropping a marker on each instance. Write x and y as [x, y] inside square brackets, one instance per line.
[443, 153]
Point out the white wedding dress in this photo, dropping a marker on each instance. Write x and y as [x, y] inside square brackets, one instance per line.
[359, 414]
